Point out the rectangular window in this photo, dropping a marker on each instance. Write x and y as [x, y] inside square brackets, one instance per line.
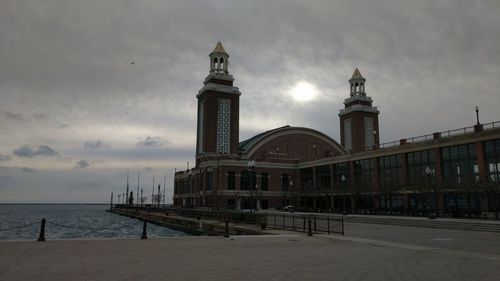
[231, 180]
[417, 163]
[492, 155]
[347, 134]
[323, 177]
[210, 176]
[389, 169]
[369, 133]
[363, 171]
[460, 163]
[285, 182]
[245, 180]
[342, 169]
[223, 125]
[264, 178]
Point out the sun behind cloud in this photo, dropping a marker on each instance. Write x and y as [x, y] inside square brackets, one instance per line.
[303, 91]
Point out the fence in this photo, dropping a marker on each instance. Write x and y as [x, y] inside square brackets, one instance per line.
[306, 223]
[221, 215]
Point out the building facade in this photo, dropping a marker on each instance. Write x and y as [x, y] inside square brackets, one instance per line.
[446, 172]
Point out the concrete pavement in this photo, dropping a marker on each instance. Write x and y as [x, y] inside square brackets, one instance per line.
[281, 257]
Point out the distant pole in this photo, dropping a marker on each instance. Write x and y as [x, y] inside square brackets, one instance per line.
[153, 194]
[477, 114]
[158, 195]
[141, 197]
[111, 202]
[164, 190]
[138, 178]
[126, 196]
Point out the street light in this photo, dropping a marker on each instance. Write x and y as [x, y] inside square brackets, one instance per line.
[429, 173]
[477, 114]
[343, 178]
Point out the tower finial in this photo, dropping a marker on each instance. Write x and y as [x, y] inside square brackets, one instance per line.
[356, 74]
[219, 49]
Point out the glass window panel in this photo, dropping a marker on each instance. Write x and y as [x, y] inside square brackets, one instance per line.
[453, 153]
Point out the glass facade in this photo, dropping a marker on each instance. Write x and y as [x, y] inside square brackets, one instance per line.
[417, 162]
[306, 179]
[492, 156]
[389, 167]
[341, 169]
[323, 177]
[364, 173]
[460, 163]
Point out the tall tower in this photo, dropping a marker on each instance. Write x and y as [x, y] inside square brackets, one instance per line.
[359, 119]
[218, 109]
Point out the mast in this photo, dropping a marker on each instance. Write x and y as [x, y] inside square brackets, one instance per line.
[138, 178]
[153, 194]
[164, 190]
[126, 194]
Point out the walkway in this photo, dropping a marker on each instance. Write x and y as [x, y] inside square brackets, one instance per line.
[368, 254]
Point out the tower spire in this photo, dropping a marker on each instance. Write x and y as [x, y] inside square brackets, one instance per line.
[357, 83]
[219, 60]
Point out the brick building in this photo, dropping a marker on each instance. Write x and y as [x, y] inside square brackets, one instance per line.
[446, 171]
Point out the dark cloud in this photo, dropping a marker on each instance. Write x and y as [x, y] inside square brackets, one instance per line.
[149, 169]
[82, 164]
[63, 126]
[5, 158]
[27, 170]
[95, 144]
[29, 152]
[39, 116]
[153, 142]
[13, 116]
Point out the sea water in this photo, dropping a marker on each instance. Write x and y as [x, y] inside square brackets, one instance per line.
[22, 222]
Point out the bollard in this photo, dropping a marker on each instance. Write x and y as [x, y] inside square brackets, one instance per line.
[309, 231]
[41, 236]
[144, 233]
[226, 234]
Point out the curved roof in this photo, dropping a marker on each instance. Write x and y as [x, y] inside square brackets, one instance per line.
[250, 144]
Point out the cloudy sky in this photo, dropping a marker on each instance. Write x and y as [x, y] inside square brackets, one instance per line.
[76, 114]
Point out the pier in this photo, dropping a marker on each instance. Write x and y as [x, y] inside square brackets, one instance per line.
[369, 252]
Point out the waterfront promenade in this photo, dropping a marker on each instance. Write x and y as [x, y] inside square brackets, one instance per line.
[368, 252]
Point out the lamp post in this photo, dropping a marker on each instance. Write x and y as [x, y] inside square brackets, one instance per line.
[343, 178]
[290, 186]
[477, 114]
[429, 173]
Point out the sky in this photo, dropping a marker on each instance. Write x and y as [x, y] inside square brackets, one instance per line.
[92, 90]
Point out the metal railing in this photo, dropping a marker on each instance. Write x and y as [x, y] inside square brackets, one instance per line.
[306, 223]
[220, 215]
[443, 134]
